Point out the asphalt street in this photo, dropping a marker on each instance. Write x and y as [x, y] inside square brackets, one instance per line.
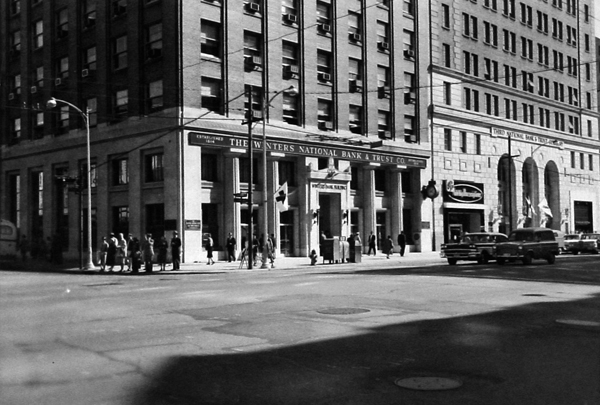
[301, 334]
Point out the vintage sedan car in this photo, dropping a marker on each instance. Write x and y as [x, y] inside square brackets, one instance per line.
[480, 246]
[579, 242]
[527, 244]
[593, 237]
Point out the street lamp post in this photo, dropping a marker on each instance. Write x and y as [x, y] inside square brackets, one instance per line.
[265, 105]
[89, 265]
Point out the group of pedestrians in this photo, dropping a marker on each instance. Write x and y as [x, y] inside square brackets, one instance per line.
[248, 252]
[116, 251]
[388, 247]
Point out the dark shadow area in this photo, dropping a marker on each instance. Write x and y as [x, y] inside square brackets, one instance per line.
[572, 270]
[517, 356]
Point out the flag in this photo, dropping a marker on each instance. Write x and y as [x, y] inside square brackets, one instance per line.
[281, 197]
[529, 208]
[545, 208]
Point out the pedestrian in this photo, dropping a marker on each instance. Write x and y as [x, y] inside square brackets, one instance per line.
[230, 244]
[111, 253]
[121, 251]
[255, 247]
[129, 251]
[24, 247]
[148, 252]
[103, 251]
[372, 244]
[270, 251]
[209, 249]
[390, 246]
[313, 257]
[162, 248]
[402, 243]
[136, 256]
[176, 250]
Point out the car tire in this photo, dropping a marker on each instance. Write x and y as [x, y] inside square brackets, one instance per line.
[551, 258]
[528, 258]
[452, 262]
[575, 251]
[500, 261]
[484, 258]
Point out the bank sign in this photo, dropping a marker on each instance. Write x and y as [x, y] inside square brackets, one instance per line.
[306, 149]
[465, 192]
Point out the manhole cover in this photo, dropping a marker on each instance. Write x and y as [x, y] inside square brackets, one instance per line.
[342, 311]
[428, 383]
[579, 323]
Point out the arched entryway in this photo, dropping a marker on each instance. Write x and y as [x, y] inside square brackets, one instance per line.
[530, 214]
[506, 193]
[552, 194]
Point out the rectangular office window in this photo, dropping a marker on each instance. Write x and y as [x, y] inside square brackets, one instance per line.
[63, 119]
[290, 108]
[209, 170]
[446, 55]
[38, 34]
[287, 173]
[591, 162]
[120, 171]
[383, 124]
[324, 62]
[92, 108]
[121, 102]
[153, 167]
[572, 160]
[445, 16]
[154, 41]
[210, 38]
[62, 68]
[89, 59]
[355, 119]
[155, 95]
[478, 144]
[447, 139]
[120, 52]
[62, 23]
[211, 94]
[89, 13]
[581, 161]
[447, 93]
[463, 141]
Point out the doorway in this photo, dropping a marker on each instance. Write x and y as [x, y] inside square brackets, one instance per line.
[330, 214]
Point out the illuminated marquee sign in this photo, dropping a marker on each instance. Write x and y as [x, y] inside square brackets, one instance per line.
[464, 192]
[307, 149]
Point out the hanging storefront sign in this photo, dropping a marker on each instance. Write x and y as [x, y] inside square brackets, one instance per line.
[464, 192]
[307, 149]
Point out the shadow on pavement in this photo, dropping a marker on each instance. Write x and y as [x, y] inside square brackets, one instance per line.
[515, 356]
[572, 270]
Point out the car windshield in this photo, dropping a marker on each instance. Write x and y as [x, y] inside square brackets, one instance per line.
[572, 237]
[591, 236]
[475, 238]
[519, 236]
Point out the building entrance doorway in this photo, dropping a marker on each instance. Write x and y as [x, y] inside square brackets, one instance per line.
[286, 233]
[330, 214]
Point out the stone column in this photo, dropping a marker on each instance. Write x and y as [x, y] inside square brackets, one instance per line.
[368, 195]
[396, 204]
[231, 210]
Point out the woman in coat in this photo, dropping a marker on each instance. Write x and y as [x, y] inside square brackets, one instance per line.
[148, 252]
[163, 246]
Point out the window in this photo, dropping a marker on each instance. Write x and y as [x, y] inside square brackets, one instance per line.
[120, 102]
[408, 7]
[155, 95]
[210, 168]
[446, 55]
[154, 44]
[120, 52]
[526, 15]
[289, 56]
[38, 34]
[62, 67]
[15, 42]
[354, 25]
[38, 74]
[572, 160]
[120, 171]
[289, 7]
[153, 167]
[447, 139]
[210, 38]
[471, 99]
[490, 34]
[325, 115]
[290, 108]
[15, 128]
[380, 179]
[471, 63]
[252, 44]
[478, 144]
[463, 141]
[409, 40]
[508, 9]
[323, 12]
[120, 219]
[119, 7]
[63, 119]
[324, 62]
[470, 26]
[15, 6]
[445, 16]
[510, 41]
[92, 108]
[581, 161]
[89, 13]
[15, 84]
[491, 69]
[287, 173]
[256, 106]
[591, 162]
[62, 23]
[383, 33]
[409, 129]
[245, 170]
[89, 58]
[383, 124]
[211, 94]
[38, 125]
[355, 119]
[491, 4]
[354, 71]
[447, 93]
[383, 76]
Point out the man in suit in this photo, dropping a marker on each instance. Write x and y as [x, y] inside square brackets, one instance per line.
[372, 244]
[402, 243]
[176, 250]
[230, 244]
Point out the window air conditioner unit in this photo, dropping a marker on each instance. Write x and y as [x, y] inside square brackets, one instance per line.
[326, 125]
[85, 72]
[383, 92]
[253, 7]
[33, 89]
[384, 46]
[58, 82]
[252, 62]
[411, 138]
[325, 27]
[355, 37]
[291, 70]
[324, 77]
[409, 53]
[356, 85]
[291, 18]
[11, 96]
[410, 98]
[387, 134]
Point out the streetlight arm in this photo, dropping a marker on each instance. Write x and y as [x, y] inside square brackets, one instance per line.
[53, 101]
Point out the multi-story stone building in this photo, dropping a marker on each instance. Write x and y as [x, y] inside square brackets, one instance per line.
[169, 88]
[515, 122]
